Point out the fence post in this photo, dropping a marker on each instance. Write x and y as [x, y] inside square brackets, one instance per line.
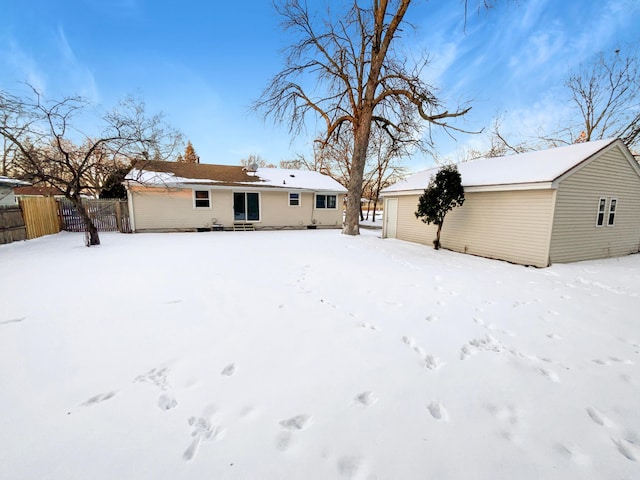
[118, 217]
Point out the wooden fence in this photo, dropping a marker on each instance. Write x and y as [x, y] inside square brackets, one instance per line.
[40, 216]
[107, 215]
[12, 226]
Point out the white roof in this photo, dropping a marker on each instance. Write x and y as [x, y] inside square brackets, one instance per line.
[299, 179]
[525, 168]
[12, 181]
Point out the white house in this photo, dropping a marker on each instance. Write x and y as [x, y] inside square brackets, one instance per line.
[171, 196]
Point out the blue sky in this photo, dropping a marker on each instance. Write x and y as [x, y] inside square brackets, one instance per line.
[203, 63]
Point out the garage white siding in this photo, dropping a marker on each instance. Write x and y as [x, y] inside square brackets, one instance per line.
[575, 233]
[513, 225]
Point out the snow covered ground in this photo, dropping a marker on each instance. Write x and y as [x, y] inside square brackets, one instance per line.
[312, 355]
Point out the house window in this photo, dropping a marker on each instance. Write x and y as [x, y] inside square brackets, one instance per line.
[612, 211]
[246, 207]
[294, 199]
[602, 204]
[201, 199]
[326, 201]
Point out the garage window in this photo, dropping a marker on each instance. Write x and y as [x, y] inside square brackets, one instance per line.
[613, 203]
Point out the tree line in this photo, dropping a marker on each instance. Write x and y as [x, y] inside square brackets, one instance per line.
[346, 67]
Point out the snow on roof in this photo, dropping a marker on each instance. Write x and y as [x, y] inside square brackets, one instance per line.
[524, 168]
[12, 181]
[180, 174]
[299, 179]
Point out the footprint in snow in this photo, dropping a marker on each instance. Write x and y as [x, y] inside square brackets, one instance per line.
[573, 453]
[598, 417]
[101, 397]
[549, 374]
[229, 370]
[369, 326]
[203, 430]
[432, 362]
[365, 399]
[409, 341]
[13, 320]
[627, 449]
[296, 423]
[156, 376]
[437, 411]
[349, 466]
[283, 441]
[167, 402]
[293, 424]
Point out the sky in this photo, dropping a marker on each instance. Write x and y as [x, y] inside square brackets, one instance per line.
[203, 64]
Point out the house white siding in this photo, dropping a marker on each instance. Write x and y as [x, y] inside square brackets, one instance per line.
[167, 209]
[511, 225]
[575, 233]
[173, 209]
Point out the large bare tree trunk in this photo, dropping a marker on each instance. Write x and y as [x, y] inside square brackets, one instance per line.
[92, 231]
[361, 142]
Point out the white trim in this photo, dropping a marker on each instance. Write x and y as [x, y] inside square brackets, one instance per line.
[193, 194]
[603, 212]
[552, 219]
[233, 206]
[613, 202]
[132, 214]
[299, 199]
[315, 201]
[484, 188]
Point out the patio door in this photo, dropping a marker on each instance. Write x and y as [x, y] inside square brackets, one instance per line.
[246, 206]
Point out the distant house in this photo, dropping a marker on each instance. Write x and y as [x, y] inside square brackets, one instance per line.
[171, 196]
[7, 187]
[565, 204]
[38, 191]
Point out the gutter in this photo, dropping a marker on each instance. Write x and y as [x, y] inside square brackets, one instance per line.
[482, 188]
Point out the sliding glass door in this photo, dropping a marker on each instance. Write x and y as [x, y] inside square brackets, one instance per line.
[246, 206]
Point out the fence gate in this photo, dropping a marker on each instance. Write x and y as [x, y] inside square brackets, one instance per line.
[107, 215]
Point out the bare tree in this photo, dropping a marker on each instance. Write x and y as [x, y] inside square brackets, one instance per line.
[380, 170]
[52, 150]
[9, 150]
[257, 160]
[361, 79]
[384, 169]
[497, 144]
[606, 93]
